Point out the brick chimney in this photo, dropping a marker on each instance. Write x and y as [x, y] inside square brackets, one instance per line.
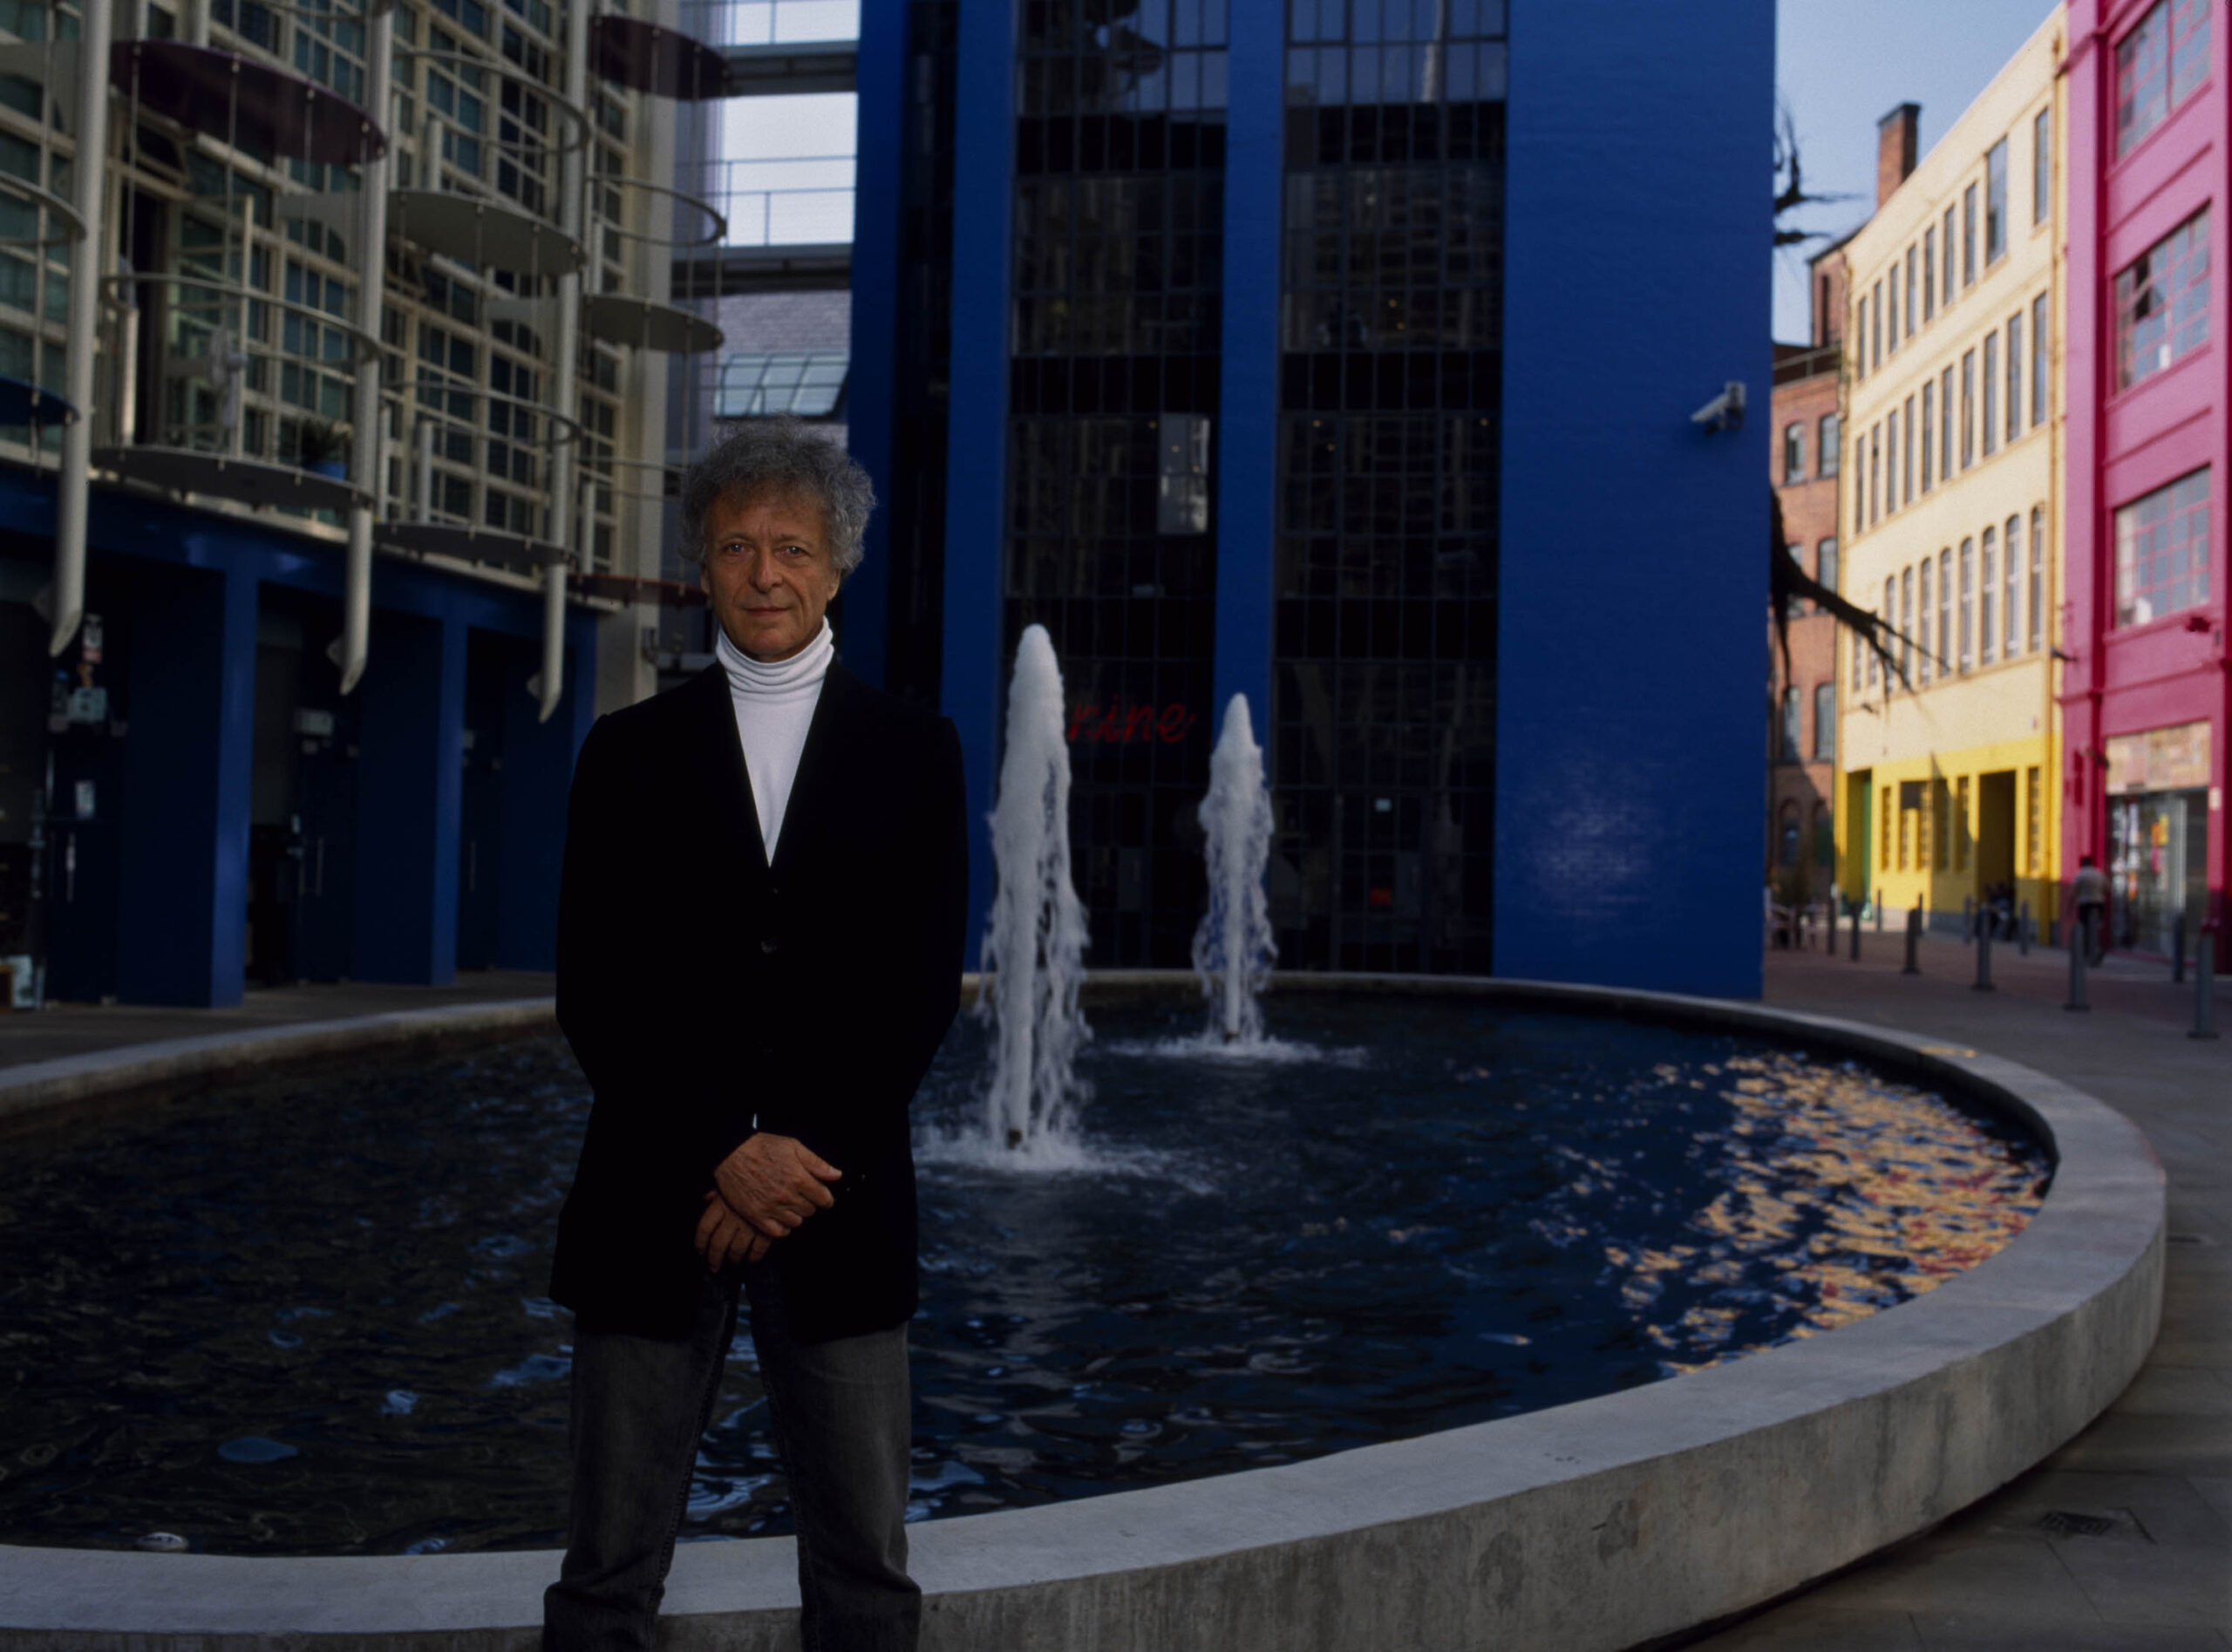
[1894, 149]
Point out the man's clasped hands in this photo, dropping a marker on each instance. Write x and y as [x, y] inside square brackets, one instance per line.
[760, 1193]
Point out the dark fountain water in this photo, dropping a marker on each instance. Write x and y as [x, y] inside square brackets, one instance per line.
[309, 1318]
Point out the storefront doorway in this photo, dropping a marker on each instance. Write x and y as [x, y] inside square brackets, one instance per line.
[2158, 865]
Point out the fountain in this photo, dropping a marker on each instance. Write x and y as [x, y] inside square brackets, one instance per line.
[1233, 948]
[1034, 947]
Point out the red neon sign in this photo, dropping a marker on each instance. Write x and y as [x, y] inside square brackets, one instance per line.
[1122, 724]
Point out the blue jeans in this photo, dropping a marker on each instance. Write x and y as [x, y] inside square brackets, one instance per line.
[840, 1415]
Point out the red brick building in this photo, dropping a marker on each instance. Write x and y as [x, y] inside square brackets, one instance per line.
[1803, 449]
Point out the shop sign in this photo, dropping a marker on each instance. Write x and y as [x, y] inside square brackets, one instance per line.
[1124, 724]
[2173, 759]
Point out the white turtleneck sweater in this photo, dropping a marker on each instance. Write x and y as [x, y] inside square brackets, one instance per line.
[774, 703]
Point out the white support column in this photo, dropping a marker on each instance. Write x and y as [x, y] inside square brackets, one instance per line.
[365, 453]
[87, 257]
[572, 174]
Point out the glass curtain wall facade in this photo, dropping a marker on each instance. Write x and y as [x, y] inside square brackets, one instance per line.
[922, 381]
[1383, 720]
[1117, 248]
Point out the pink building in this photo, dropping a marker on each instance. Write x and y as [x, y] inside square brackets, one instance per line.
[2145, 689]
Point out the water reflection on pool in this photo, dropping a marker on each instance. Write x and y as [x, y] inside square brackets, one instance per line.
[309, 1318]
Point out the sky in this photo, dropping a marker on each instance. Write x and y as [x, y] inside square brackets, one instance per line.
[1841, 67]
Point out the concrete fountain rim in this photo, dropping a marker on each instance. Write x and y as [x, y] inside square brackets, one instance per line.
[1540, 1511]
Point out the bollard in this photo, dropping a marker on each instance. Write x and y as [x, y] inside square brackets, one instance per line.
[2077, 969]
[1914, 940]
[1855, 935]
[1969, 915]
[2178, 949]
[2022, 931]
[1983, 958]
[2204, 989]
[1878, 905]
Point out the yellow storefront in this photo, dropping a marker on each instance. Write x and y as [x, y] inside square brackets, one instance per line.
[1949, 783]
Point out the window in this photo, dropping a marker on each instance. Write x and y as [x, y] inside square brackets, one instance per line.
[1967, 610]
[1907, 458]
[1893, 302]
[2162, 302]
[1907, 620]
[757, 384]
[1825, 563]
[2162, 551]
[2038, 579]
[1860, 343]
[1928, 274]
[1987, 592]
[2042, 166]
[1883, 832]
[1944, 608]
[1968, 408]
[2034, 834]
[1996, 203]
[1945, 428]
[1828, 444]
[2015, 376]
[1793, 452]
[1945, 265]
[1929, 431]
[1790, 714]
[1891, 619]
[1960, 831]
[1891, 461]
[1923, 667]
[1825, 722]
[2039, 361]
[1991, 394]
[1969, 236]
[1910, 292]
[2011, 588]
[2158, 65]
[1875, 332]
[1874, 474]
[1182, 474]
[1941, 809]
[1859, 485]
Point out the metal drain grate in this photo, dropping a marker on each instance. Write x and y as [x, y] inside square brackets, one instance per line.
[2063, 1523]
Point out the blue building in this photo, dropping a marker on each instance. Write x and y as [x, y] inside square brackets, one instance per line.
[1341, 354]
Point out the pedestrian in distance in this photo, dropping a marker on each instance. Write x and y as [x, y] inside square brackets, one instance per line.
[762, 924]
[2088, 895]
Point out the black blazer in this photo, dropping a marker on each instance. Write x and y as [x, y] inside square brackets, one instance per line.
[703, 989]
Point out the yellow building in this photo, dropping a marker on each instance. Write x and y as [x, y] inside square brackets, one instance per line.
[1947, 783]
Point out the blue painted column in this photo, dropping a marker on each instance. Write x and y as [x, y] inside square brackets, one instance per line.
[984, 170]
[189, 753]
[410, 792]
[871, 395]
[538, 775]
[1247, 423]
[1631, 650]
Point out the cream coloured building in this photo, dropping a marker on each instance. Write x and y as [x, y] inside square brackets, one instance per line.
[1947, 767]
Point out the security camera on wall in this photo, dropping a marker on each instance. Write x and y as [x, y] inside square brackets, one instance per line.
[1723, 411]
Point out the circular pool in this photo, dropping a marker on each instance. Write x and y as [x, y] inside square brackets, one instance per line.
[308, 1317]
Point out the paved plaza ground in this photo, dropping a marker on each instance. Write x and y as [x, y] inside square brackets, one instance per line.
[2119, 1542]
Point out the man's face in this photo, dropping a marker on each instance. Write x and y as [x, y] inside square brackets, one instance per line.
[767, 569]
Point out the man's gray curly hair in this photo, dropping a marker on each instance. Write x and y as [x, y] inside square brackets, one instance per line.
[785, 453]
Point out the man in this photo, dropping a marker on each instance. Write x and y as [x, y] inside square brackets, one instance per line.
[2088, 892]
[759, 949]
